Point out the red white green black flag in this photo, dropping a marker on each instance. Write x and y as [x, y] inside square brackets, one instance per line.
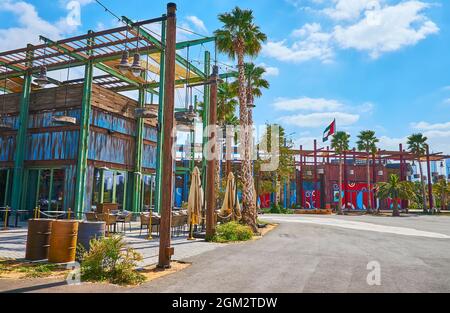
[329, 131]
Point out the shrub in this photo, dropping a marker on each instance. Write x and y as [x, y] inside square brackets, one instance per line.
[232, 231]
[110, 260]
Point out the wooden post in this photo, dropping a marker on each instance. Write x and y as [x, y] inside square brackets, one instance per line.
[302, 202]
[211, 168]
[315, 174]
[430, 186]
[374, 181]
[345, 184]
[165, 251]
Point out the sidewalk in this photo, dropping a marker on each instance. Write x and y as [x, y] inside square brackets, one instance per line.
[13, 243]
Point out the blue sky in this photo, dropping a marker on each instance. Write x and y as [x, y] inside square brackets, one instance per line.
[372, 64]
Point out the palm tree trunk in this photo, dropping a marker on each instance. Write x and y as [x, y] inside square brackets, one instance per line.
[424, 197]
[249, 207]
[395, 211]
[340, 187]
[369, 203]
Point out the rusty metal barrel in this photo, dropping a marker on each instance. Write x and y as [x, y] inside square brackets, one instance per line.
[63, 241]
[88, 231]
[38, 239]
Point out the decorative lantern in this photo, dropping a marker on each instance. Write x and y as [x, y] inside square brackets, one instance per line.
[351, 172]
[42, 80]
[136, 68]
[380, 173]
[124, 65]
[320, 171]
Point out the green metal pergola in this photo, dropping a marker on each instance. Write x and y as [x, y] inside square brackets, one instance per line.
[101, 50]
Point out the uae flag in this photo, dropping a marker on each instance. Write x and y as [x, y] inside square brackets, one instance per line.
[329, 131]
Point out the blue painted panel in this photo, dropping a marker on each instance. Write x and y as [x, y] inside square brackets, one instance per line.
[52, 146]
[103, 147]
[149, 156]
[13, 121]
[44, 119]
[7, 147]
[112, 122]
[150, 133]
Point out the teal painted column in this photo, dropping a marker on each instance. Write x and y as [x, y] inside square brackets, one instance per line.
[21, 137]
[205, 117]
[81, 171]
[137, 175]
[162, 75]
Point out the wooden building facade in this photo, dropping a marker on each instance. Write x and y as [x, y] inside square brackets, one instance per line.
[52, 150]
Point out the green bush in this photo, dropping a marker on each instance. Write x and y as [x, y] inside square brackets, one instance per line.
[110, 260]
[232, 231]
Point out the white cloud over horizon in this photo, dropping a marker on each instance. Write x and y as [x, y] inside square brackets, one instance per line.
[370, 26]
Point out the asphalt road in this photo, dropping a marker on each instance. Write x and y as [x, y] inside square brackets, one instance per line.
[305, 255]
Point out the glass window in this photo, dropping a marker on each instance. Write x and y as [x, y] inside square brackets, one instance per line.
[120, 189]
[108, 186]
[44, 189]
[57, 191]
[3, 186]
[149, 191]
[97, 186]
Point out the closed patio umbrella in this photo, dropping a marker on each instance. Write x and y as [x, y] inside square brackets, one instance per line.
[231, 207]
[195, 201]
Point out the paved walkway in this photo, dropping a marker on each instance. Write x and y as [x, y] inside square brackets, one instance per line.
[13, 242]
[306, 257]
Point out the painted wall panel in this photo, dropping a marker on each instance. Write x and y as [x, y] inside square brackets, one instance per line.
[7, 147]
[52, 146]
[107, 148]
[149, 156]
[113, 122]
[44, 119]
[150, 133]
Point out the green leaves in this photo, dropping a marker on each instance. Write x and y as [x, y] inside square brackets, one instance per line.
[340, 142]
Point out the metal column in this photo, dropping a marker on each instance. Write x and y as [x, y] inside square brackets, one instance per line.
[137, 175]
[83, 144]
[19, 156]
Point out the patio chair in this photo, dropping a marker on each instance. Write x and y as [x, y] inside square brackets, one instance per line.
[145, 220]
[110, 220]
[91, 216]
[125, 218]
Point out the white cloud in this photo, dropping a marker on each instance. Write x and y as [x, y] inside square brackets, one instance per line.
[314, 120]
[311, 43]
[31, 25]
[270, 70]
[198, 23]
[350, 9]
[387, 29]
[365, 25]
[309, 104]
[428, 126]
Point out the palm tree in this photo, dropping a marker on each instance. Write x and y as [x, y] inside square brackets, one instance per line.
[340, 144]
[442, 190]
[417, 144]
[239, 36]
[367, 141]
[395, 189]
[226, 116]
[254, 85]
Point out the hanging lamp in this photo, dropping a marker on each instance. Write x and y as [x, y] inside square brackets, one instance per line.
[65, 119]
[124, 65]
[136, 68]
[42, 80]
